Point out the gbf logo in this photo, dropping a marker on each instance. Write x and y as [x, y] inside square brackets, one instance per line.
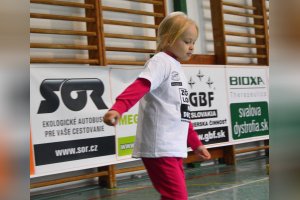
[66, 87]
[201, 99]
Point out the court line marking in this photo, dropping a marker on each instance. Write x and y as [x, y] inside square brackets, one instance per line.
[214, 191]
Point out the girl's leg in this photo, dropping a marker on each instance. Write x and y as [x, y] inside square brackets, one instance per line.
[167, 176]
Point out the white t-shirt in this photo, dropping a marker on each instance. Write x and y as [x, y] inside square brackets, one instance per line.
[163, 112]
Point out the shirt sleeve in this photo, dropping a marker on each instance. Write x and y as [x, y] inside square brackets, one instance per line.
[156, 71]
[131, 95]
[193, 139]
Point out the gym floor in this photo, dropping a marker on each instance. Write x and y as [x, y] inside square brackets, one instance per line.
[248, 180]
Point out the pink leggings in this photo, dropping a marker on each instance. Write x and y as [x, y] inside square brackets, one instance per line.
[167, 176]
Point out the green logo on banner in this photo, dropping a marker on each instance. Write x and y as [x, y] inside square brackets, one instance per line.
[249, 119]
[128, 119]
[125, 145]
[246, 80]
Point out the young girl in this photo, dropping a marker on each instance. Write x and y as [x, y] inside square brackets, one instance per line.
[164, 129]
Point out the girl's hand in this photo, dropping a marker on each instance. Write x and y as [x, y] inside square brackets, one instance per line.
[202, 152]
[111, 118]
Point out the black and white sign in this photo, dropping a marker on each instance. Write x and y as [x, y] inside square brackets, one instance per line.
[208, 100]
[67, 107]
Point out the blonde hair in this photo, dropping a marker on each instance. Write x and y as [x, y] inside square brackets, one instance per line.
[171, 28]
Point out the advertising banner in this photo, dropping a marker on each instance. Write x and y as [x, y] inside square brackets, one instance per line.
[67, 105]
[248, 92]
[228, 105]
[208, 100]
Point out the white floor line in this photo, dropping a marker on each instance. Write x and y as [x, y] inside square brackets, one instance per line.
[204, 194]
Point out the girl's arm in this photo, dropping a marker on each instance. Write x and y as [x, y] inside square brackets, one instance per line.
[126, 100]
[195, 143]
[131, 95]
[193, 139]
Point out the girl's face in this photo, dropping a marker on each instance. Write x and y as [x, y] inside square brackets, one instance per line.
[183, 47]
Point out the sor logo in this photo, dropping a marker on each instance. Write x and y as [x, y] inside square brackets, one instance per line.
[66, 87]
